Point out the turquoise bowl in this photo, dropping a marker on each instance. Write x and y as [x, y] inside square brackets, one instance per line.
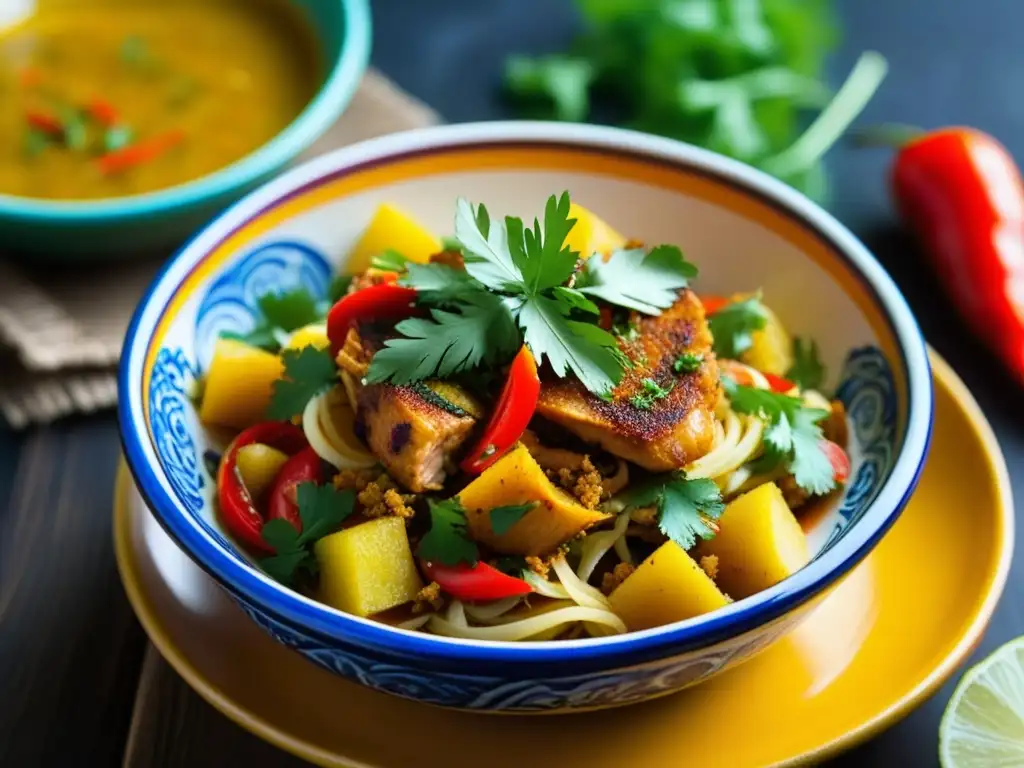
[161, 220]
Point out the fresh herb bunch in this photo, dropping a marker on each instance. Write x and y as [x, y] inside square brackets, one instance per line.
[522, 285]
[734, 76]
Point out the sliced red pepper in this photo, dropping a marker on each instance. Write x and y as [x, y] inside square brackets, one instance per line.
[839, 459]
[45, 122]
[384, 301]
[139, 153]
[713, 303]
[516, 406]
[103, 112]
[237, 511]
[304, 467]
[777, 383]
[475, 582]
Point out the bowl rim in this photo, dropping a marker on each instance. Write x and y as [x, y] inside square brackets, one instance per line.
[731, 621]
[339, 86]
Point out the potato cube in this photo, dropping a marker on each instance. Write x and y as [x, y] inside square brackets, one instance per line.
[392, 228]
[238, 385]
[590, 234]
[367, 568]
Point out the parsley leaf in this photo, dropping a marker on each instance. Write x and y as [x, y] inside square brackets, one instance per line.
[322, 509]
[645, 281]
[807, 370]
[447, 342]
[733, 325]
[307, 372]
[563, 80]
[503, 518]
[289, 311]
[447, 542]
[438, 284]
[793, 435]
[390, 261]
[686, 508]
[339, 287]
[485, 248]
[650, 393]
[575, 300]
[544, 260]
[688, 362]
[262, 336]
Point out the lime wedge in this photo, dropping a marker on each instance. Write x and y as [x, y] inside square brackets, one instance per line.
[983, 726]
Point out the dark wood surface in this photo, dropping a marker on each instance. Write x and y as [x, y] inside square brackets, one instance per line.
[77, 683]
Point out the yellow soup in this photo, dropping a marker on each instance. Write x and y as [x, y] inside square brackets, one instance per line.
[103, 98]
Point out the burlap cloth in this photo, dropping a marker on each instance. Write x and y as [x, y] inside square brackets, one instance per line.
[61, 328]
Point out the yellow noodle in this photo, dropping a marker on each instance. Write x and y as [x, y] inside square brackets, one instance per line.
[348, 445]
[416, 622]
[596, 545]
[524, 628]
[545, 588]
[492, 610]
[579, 591]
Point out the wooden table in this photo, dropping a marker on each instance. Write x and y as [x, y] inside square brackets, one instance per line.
[78, 681]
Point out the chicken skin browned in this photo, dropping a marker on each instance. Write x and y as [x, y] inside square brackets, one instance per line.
[663, 432]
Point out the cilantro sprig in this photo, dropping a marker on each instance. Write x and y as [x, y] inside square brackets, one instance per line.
[322, 509]
[307, 372]
[793, 437]
[686, 508]
[448, 541]
[516, 288]
[503, 518]
[650, 393]
[280, 314]
[807, 370]
[733, 325]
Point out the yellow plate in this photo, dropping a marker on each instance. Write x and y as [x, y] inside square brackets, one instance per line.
[881, 642]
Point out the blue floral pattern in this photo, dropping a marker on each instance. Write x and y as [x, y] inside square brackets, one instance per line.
[169, 409]
[231, 303]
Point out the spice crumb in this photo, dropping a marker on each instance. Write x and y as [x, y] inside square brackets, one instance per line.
[616, 576]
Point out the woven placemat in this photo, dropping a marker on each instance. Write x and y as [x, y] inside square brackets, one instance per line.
[61, 328]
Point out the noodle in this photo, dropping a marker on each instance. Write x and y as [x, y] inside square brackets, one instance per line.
[545, 588]
[579, 591]
[597, 545]
[330, 447]
[350, 448]
[416, 622]
[492, 610]
[521, 629]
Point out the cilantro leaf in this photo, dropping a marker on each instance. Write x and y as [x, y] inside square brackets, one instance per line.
[283, 567]
[575, 300]
[731, 326]
[688, 362]
[447, 542]
[307, 372]
[485, 246]
[807, 370]
[339, 287]
[513, 565]
[645, 281]
[390, 261]
[262, 336]
[650, 393]
[281, 535]
[290, 310]
[438, 284]
[584, 348]
[503, 518]
[543, 258]
[447, 342]
[685, 507]
[562, 80]
[793, 435]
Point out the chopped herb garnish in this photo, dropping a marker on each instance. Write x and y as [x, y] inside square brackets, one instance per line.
[35, 142]
[503, 518]
[686, 508]
[647, 281]
[76, 135]
[650, 393]
[339, 287]
[447, 542]
[733, 325]
[290, 310]
[322, 509]
[307, 372]
[627, 332]
[513, 565]
[117, 137]
[688, 362]
[391, 261]
[807, 371]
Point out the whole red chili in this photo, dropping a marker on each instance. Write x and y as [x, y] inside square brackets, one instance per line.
[304, 467]
[961, 193]
[475, 582]
[383, 301]
[234, 503]
[516, 406]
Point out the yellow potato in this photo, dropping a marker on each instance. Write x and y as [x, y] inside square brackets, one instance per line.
[368, 568]
[668, 586]
[590, 234]
[392, 228]
[772, 348]
[238, 385]
[516, 478]
[759, 543]
[258, 464]
[312, 335]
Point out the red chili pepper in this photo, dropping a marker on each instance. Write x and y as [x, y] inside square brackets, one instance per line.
[45, 122]
[103, 112]
[961, 193]
[839, 459]
[384, 301]
[777, 383]
[234, 503]
[304, 467]
[713, 303]
[475, 582]
[516, 406]
[139, 153]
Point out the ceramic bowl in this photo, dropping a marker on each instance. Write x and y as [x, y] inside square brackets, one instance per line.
[744, 229]
[143, 224]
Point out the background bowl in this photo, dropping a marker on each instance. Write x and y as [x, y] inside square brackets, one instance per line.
[742, 228]
[138, 224]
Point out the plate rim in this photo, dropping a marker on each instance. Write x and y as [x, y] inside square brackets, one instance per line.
[982, 610]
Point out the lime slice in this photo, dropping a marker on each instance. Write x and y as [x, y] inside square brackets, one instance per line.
[983, 726]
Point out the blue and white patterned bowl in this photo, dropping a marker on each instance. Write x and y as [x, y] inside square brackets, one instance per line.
[742, 228]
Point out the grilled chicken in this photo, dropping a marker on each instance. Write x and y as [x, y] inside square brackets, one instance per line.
[414, 430]
[671, 431]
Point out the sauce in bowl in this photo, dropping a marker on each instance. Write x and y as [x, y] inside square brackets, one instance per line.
[106, 99]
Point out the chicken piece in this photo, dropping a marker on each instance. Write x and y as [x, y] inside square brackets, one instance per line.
[414, 430]
[660, 433]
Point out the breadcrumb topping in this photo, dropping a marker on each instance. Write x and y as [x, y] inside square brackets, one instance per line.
[584, 483]
[378, 501]
[428, 598]
[354, 479]
[710, 565]
[794, 495]
[540, 565]
[616, 576]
